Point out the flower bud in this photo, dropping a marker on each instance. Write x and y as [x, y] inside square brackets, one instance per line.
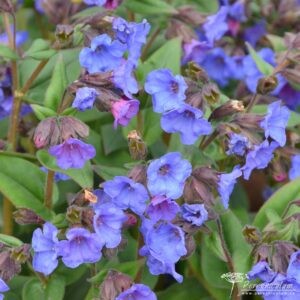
[251, 234]
[137, 147]
[196, 73]
[292, 75]
[131, 220]
[6, 6]
[21, 254]
[266, 85]
[9, 267]
[47, 133]
[177, 28]
[139, 174]
[25, 216]
[196, 100]
[230, 108]
[211, 93]
[114, 284]
[74, 214]
[190, 15]
[248, 121]
[72, 128]
[64, 36]
[190, 246]
[105, 101]
[98, 79]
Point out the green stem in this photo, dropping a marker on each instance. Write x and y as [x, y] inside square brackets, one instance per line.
[149, 43]
[49, 189]
[207, 141]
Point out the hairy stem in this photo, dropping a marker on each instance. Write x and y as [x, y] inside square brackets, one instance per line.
[49, 189]
[252, 102]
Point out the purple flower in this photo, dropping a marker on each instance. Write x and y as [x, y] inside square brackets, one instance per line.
[126, 193]
[4, 288]
[290, 96]
[103, 55]
[275, 122]
[80, 247]
[72, 153]
[237, 11]
[254, 33]
[219, 66]
[162, 208]
[196, 214]
[44, 244]
[124, 110]
[167, 175]
[294, 171]
[164, 246]
[137, 292]
[133, 35]
[95, 2]
[187, 121]
[21, 37]
[167, 90]
[85, 98]
[38, 4]
[259, 157]
[108, 221]
[124, 79]
[262, 271]
[195, 51]
[226, 185]
[58, 176]
[293, 270]
[238, 144]
[216, 25]
[5, 105]
[102, 198]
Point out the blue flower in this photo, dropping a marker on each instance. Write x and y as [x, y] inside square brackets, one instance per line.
[196, 214]
[5, 105]
[126, 193]
[275, 122]
[293, 270]
[254, 33]
[187, 121]
[262, 271]
[164, 246]
[3, 288]
[216, 25]
[219, 66]
[162, 208]
[95, 2]
[195, 51]
[44, 244]
[124, 79]
[290, 96]
[167, 175]
[72, 153]
[133, 35]
[103, 55]
[38, 4]
[294, 171]
[238, 144]
[108, 221]
[21, 37]
[167, 90]
[102, 198]
[80, 247]
[85, 98]
[259, 157]
[137, 292]
[237, 11]
[226, 185]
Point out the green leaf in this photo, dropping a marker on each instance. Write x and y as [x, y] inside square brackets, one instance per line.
[10, 240]
[261, 64]
[23, 183]
[55, 288]
[84, 176]
[277, 42]
[150, 7]
[33, 290]
[167, 56]
[6, 52]
[42, 112]
[40, 50]
[109, 172]
[112, 139]
[278, 202]
[57, 86]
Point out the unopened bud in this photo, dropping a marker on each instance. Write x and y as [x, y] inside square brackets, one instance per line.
[9, 267]
[196, 100]
[190, 245]
[103, 79]
[72, 128]
[137, 147]
[74, 214]
[47, 133]
[211, 93]
[139, 174]
[190, 15]
[6, 6]
[266, 85]
[105, 101]
[230, 108]
[21, 254]
[177, 28]
[114, 284]
[292, 75]
[196, 73]
[131, 220]
[251, 234]
[24, 216]
[64, 35]
[248, 120]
